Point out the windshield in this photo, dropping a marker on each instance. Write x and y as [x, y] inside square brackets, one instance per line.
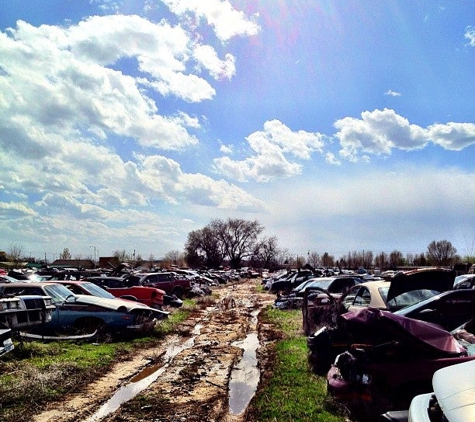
[95, 290]
[322, 284]
[410, 298]
[59, 293]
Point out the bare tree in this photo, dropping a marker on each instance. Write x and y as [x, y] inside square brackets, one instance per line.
[174, 257]
[328, 260]
[16, 252]
[314, 259]
[441, 252]
[238, 237]
[65, 254]
[396, 259]
[267, 250]
[233, 239]
[382, 261]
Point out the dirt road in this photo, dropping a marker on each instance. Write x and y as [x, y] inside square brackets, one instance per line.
[190, 376]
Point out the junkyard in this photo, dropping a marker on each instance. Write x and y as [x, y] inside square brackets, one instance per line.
[373, 357]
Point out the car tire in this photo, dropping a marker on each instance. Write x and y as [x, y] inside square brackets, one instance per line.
[89, 325]
[178, 292]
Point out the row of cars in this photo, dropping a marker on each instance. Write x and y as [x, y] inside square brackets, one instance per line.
[67, 303]
[379, 343]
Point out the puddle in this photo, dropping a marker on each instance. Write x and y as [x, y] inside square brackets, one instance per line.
[245, 375]
[142, 380]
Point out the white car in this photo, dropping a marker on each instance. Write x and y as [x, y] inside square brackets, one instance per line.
[453, 399]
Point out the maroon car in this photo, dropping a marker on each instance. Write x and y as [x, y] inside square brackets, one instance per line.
[392, 358]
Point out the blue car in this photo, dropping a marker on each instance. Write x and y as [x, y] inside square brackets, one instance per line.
[84, 314]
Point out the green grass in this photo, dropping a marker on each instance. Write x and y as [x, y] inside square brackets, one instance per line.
[293, 392]
[35, 373]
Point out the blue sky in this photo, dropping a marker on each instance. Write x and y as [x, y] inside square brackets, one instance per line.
[339, 125]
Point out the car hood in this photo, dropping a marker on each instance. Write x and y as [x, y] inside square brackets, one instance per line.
[437, 279]
[115, 304]
[456, 398]
[372, 322]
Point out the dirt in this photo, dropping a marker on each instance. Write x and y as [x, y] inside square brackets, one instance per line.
[194, 384]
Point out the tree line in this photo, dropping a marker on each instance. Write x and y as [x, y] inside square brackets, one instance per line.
[239, 242]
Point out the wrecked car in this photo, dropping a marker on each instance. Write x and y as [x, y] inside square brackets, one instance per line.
[316, 290]
[23, 312]
[172, 284]
[391, 359]
[128, 287]
[326, 338]
[85, 314]
[149, 296]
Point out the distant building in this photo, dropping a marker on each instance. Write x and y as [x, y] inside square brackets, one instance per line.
[74, 263]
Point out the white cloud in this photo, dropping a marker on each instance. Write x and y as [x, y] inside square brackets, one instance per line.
[345, 212]
[452, 136]
[392, 93]
[219, 69]
[270, 148]
[380, 131]
[15, 210]
[220, 14]
[470, 35]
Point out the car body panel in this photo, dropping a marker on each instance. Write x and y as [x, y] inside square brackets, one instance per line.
[454, 388]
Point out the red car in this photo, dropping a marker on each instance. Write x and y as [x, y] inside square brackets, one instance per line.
[149, 296]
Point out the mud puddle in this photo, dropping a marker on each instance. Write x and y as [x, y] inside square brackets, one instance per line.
[245, 375]
[144, 378]
[211, 376]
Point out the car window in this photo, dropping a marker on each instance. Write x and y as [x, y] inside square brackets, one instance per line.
[363, 297]
[97, 291]
[58, 293]
[350, 297]
[341, 285]
[410, 298]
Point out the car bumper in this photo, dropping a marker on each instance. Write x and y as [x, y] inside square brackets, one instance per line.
[144, 327]
[6, 347]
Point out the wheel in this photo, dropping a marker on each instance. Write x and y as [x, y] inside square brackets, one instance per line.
[89, 325]
[178, 292]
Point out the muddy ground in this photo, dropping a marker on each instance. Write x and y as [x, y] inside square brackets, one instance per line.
[193, 368]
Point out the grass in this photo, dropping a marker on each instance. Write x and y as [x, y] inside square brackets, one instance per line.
[35, 373]
[292, 392]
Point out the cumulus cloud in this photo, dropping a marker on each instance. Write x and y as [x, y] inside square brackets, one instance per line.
[271, 148]
[380, 131]
[220, 14]
[70, 115]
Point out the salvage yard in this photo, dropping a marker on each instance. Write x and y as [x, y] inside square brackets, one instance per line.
[189, 375]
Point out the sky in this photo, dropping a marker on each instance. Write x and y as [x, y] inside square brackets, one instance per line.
[339, 125]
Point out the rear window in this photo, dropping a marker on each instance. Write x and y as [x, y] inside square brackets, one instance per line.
[410, 298]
